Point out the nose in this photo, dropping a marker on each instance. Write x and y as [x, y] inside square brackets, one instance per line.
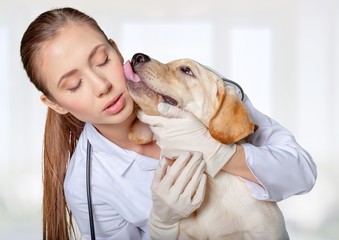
[101, 85]
[103, 88]
[139, 58]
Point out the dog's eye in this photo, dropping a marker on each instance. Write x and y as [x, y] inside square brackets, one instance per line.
[187, 70]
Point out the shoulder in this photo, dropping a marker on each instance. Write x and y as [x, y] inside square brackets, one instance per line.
[76, 169]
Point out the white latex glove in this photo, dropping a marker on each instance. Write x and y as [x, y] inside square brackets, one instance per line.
[177, 191]
[178, 130]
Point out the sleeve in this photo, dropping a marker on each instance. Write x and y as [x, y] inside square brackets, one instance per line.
[279, 163]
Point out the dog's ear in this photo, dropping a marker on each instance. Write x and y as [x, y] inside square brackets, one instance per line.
[231, 121]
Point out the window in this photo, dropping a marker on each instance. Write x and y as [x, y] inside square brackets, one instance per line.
[251, 64]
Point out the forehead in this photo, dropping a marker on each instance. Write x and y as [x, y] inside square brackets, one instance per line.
[186, 62]
[183, 62]
[190, 63]
[71, 39]
[68, 50]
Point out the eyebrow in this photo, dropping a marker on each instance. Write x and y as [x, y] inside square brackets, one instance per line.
[66, 75]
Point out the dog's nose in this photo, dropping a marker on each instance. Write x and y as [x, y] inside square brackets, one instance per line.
[140, 58]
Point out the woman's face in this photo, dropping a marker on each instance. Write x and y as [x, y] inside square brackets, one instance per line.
[85, 76]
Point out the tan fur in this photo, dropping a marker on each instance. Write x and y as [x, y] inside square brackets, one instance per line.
[229, 211]
[231, 121]
[140, 133]
[221, 111]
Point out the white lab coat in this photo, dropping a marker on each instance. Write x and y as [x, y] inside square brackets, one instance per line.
[121, 179]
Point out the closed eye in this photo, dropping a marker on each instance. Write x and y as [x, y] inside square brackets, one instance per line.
[104, 63]
[75, 88]
[187, 71]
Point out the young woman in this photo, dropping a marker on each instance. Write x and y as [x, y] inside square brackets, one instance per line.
[80, 74]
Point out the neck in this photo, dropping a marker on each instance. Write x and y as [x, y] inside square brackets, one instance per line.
[118, 134]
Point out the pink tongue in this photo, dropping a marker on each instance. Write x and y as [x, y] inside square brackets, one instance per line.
[129, 74]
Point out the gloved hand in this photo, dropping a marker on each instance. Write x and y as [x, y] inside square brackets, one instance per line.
[178, 130]
[177, 191]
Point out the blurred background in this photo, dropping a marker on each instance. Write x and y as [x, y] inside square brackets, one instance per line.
[284, 53]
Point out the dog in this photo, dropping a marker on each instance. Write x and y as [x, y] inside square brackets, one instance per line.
[228, 211]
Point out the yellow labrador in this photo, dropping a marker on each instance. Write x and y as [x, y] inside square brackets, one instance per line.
[229, 211]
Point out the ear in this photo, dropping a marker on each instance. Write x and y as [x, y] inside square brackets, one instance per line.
[55, 106]
[231, 121]
[114, 45]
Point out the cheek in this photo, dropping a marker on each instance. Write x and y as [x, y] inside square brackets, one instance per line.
[116, 75]
[79, 109]
[79, 103]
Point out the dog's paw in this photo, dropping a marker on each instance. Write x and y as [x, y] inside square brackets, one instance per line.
[140, 133]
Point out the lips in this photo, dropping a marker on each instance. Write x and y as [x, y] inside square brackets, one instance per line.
[111, 103]
[114, 105]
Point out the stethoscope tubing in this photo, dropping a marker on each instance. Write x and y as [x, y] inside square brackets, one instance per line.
[88, 188]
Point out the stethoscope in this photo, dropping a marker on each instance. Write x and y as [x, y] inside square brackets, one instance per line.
[88, 169]
[88, 188]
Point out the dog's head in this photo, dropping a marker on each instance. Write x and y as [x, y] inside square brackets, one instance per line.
[192, 87]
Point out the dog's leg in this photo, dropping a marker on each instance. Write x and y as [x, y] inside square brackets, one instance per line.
[140, 133]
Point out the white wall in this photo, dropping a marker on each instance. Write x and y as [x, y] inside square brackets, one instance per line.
[284, 53]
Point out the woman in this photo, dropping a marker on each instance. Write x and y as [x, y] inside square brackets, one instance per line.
[79, 71]
[80, 74]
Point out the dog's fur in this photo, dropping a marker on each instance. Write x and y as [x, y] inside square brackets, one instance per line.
[229, 211]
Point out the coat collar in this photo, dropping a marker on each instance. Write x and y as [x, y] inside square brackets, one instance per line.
[122, 159]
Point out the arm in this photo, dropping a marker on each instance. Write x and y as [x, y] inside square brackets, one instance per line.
[272, 154]
[272, 164]
[237, 165]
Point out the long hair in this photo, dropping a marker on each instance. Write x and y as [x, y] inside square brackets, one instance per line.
[61, 131]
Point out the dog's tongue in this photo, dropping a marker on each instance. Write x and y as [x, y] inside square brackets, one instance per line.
[129, 74]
